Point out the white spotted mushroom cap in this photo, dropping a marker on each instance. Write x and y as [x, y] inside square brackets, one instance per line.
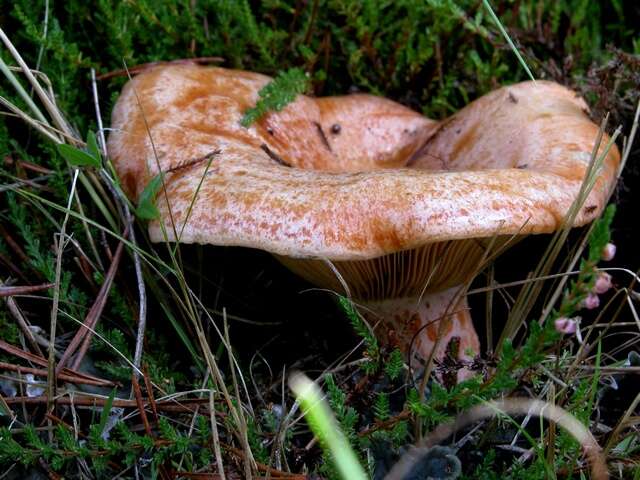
[353, 177]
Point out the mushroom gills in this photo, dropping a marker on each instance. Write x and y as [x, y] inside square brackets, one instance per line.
[413, 298]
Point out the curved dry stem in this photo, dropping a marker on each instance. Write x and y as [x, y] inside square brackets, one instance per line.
[515, 406]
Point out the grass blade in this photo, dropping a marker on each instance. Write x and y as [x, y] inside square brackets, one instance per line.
[325, 427]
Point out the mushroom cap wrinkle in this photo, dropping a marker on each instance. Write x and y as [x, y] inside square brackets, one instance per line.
[510, 163]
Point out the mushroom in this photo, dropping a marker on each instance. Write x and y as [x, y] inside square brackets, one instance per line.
[359, 191]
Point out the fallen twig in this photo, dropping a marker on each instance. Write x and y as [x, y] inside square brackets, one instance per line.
[512, 406]
[185, 405]
[83, 336]
[140, 404]
[22, 289]
[65, 377]
[21, 320]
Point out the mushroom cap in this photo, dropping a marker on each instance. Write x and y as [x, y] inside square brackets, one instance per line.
[387, 180]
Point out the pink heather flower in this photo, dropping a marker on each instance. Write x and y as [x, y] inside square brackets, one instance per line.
[603, 283]
[565, 325]
[608, 252]
[592, 301]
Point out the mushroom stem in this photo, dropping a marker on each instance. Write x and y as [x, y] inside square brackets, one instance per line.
[439, 320]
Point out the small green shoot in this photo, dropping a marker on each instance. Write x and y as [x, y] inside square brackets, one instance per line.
[104, 415]
[147, 209]
[324, 426]
[363, 331]
[395, 364]
[92, 146]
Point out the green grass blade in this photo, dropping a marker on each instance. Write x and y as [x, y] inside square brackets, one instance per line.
[325, 427]
[498, 23]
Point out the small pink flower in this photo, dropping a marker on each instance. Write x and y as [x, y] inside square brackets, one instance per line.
[603, 283]
[565, 325]
[592, 301]
[608, 252]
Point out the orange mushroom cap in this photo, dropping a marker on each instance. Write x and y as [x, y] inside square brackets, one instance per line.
[388, 180]
[402, 205]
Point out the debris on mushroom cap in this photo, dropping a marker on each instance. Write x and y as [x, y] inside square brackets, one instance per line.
[378, 133]
[497, 167]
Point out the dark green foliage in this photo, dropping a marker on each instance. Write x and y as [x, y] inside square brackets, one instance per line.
[255, 437]
[394, 364]
[123, 446]
[433, 54]
[381, 409]
[274, 96]
[347, 416]
[9, 331]
[363, 331]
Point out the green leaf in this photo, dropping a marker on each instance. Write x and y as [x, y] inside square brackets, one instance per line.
[106, 410]
[77, 157]
[147, 209]
[92, 146]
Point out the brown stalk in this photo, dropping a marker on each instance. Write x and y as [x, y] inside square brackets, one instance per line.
[22, 323]
[385, 425]
[140, 403]
[33, 167]
[59, 421]
[38, 360]
[50, 473]
[18, 352]
[83, 336]
[149, 387]
[84, 268]
[65, 377]
[164, 406]
[11, 266]
[23, 289]
[13, 244]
